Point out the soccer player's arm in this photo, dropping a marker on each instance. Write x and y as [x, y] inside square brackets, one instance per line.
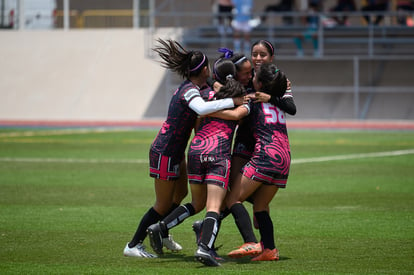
[286, 103]
[232, 114]
[201, 107]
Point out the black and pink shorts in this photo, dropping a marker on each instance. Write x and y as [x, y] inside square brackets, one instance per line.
[164, 167]
[264, 176]
[209, 169]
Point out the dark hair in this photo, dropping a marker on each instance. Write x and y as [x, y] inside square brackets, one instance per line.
[267, 45]
[224, 72]
[177, 59]
[238, 59]
[274, 81]
[223, 68]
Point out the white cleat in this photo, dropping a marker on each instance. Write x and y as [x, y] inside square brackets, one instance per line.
[170, 244]
[138, 251]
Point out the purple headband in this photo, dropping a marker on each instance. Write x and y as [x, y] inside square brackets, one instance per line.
[227, 52]
[199, 65]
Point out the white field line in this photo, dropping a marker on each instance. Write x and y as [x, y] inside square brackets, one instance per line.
[74, 160]
[143, 161]
[355, 156]
[64, 132]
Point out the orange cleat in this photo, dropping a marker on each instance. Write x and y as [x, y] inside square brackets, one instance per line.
[268, 255]
[247, 249]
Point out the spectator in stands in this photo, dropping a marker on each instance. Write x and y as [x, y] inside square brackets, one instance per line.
[242, 25]
[345, 6]
[405, 9]
[312, 23]
[224, 15]
[282, 6]
[375, 6]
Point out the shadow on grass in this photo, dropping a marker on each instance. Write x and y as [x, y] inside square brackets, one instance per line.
[248, 260]
[177, 257]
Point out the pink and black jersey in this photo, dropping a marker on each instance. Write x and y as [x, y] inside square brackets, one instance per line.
[175, 132]
[244, 141]
[214, 137]
[272, 149]
[210, 152]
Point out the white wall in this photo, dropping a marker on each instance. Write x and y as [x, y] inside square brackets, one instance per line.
[76, 75]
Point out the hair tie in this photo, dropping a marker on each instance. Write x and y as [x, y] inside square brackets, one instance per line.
[277, 70]
[199, 65]
[227, 52]
[228, 77]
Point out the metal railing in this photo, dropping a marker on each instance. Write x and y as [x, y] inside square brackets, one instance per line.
[355, 39]
[200, 28]
[385, 44]
[360, 78]
[355, 43]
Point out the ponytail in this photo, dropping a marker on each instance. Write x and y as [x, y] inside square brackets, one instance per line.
[274, 81]
[177, 59]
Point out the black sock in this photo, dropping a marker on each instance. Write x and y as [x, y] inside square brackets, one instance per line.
[164, 229]
[224, 213]
[178, 216]
[243, 222]
[266, 229]
[149, 218]
[173, 207]
[210, 229]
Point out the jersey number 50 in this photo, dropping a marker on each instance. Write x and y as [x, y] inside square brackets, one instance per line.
[273, 114]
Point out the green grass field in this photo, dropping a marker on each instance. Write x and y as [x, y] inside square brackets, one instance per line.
[71, 200]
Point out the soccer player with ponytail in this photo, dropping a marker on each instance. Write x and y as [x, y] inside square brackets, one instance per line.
[166, 156]
[209, 166]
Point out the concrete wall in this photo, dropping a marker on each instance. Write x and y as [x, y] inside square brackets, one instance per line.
[324, 89]
[92, 75]
[104, 75]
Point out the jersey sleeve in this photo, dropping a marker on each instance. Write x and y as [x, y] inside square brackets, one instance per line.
[190, 94]
[286, 103]
[287, 94]
[198, 105]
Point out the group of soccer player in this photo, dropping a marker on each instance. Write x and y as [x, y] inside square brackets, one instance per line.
[250, 96]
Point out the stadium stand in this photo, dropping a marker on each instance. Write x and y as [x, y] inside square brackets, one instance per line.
[363, 72]
[336, 40]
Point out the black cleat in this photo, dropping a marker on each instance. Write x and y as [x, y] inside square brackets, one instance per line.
[213, 252]
[154, 234]
[204, 256]
[197, 228]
